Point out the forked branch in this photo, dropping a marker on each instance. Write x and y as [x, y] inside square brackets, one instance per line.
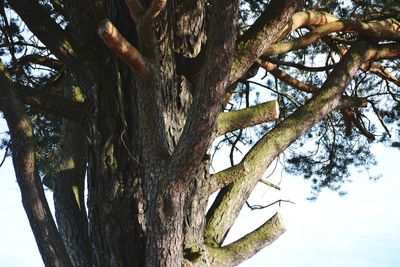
[250, 244]
[230, 200]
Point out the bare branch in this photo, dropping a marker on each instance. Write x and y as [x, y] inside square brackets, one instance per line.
[250, 244]
[34, 201]
[286, 78]
[230, 200]
[295, 65]
[260, 207]
[268, 183]
[239, 119]
[122, 48]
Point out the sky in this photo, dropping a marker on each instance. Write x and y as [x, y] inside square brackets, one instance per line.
[361, 229]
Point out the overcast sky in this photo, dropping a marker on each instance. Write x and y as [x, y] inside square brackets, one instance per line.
[361, 229]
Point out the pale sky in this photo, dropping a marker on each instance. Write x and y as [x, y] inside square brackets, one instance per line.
[361, 229]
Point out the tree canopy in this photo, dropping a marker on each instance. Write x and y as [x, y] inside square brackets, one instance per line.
[130, 100]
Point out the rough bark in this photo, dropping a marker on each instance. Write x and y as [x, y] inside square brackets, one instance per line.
[155, 75]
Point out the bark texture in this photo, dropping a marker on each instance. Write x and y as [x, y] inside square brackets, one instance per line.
[143, 100]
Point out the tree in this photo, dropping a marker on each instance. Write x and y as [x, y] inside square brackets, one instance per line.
[128, 97]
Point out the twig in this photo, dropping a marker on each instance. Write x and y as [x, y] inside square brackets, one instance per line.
[5, 156]
[259, 207]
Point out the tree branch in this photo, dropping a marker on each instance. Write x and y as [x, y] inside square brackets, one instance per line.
[38, 60]
[286, 78]
[57, 40]
[223, 178]
[34, 201]
[242, 118]
[249, 245]
[210, 89]
[230, 200]
[377, 30]
[54, 105]
[295, 65]
[123, 49]
[265, 31]
[387, 51]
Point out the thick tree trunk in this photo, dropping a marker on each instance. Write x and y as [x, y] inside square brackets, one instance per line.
[134, 219]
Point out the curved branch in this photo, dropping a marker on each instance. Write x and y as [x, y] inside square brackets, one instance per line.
[377, 30]
[33, 199]
[230, 200]
[249, 245]
[242, 118]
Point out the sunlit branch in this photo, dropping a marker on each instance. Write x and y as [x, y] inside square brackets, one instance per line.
[227, 176]
[250, 244]
[122, 48]
[377, 30]
[387, 51]
[242, 118]
[382, 72]
[309, 18]
[230, 200]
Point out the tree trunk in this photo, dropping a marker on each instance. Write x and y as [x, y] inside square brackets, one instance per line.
[135, 217]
